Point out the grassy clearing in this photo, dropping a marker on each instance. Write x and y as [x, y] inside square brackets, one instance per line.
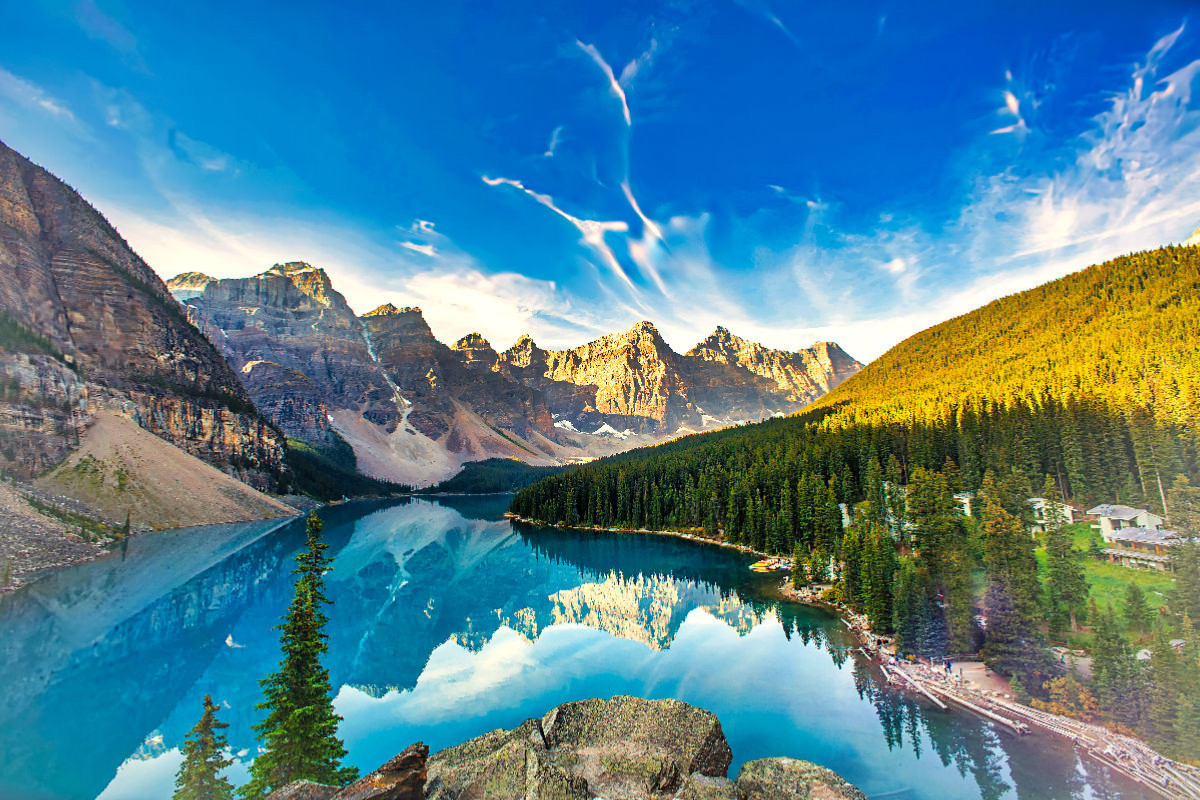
[1107, 582]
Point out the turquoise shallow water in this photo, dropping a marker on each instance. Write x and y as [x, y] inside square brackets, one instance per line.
[448, 622]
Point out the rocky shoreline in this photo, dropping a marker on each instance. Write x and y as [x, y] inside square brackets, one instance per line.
[64, 532]
[624, 747]
[677, 534]
[1124, 754]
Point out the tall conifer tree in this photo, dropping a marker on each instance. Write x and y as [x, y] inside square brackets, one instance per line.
[1066, 584]
[299, 734]
[199, 776]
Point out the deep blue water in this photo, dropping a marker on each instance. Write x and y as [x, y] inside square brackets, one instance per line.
[449, 622]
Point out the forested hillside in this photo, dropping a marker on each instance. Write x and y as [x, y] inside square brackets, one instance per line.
[1093, 379]
[1086, 388]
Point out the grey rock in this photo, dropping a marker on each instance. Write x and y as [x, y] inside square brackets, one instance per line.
[625, 748]
[772, 778]
[401, 778]
[702, 787]
[303, 790]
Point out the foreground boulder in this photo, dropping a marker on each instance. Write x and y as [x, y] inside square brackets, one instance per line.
[625, 748]
[401, 778]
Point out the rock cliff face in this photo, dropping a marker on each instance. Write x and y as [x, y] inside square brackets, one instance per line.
[300, 350]
[625, 747]
[412, 408]
[82, 316]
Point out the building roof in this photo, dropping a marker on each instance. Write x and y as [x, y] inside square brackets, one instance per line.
[1146, 535]
[1135, 554]
[1114, 511]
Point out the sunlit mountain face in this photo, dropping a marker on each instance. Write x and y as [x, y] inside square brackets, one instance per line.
[449, 621]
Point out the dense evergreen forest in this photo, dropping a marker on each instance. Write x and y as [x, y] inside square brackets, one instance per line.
[331, 472]
[1087, 389]
[1093, 379]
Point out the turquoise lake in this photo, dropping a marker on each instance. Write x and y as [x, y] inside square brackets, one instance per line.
[449, 622]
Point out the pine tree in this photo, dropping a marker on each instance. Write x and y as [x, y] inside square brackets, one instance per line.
[299, 733]
[1013, 645]
[799, 570]
[1165, 691]
[905, 607]
[199, 776]
[1185, 560]
[1136, 610]
[879, 573]
[1115, 673]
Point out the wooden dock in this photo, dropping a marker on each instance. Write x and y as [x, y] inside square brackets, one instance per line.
[1123, 754]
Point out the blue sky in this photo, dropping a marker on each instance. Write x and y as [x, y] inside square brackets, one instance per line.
[790, 170]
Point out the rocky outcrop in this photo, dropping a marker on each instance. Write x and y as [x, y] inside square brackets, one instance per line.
[74, 298]
[476, 352]
[769, 778]
[188, 285]
[625, 748]
[439, 381]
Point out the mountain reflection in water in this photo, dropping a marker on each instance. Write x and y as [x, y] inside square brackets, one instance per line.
[448, 622]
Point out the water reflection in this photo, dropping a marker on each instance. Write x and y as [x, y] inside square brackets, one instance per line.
[449, 622]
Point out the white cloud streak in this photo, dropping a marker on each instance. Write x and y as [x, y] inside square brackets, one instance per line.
[614, 85]
[593, 231]
[29, 95]
[416, 247]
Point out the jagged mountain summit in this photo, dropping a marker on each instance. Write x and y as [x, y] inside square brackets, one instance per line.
[414, 409]
[803, 375]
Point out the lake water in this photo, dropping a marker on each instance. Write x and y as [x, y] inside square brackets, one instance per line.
[449, 622]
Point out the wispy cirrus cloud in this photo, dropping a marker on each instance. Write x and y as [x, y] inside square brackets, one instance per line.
[555, 140]
[100, 25]
[26, 94]
[592, 231]
[614, 86]
[1131, 181]
[762, 9]
[417, 247]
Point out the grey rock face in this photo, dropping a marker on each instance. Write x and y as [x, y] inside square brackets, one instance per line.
[304, 790]
[770, 778]
[402, 778]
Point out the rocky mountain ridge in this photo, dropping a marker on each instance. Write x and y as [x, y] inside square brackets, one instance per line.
[413, 409]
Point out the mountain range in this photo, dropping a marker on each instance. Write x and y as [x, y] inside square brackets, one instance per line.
[256, 377]
[413, 409]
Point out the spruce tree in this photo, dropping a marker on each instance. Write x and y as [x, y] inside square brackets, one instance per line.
[1138, 615]
[299, 734]
[1165, 690]
[199, 776]
[799, 570]
[1066, 584]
